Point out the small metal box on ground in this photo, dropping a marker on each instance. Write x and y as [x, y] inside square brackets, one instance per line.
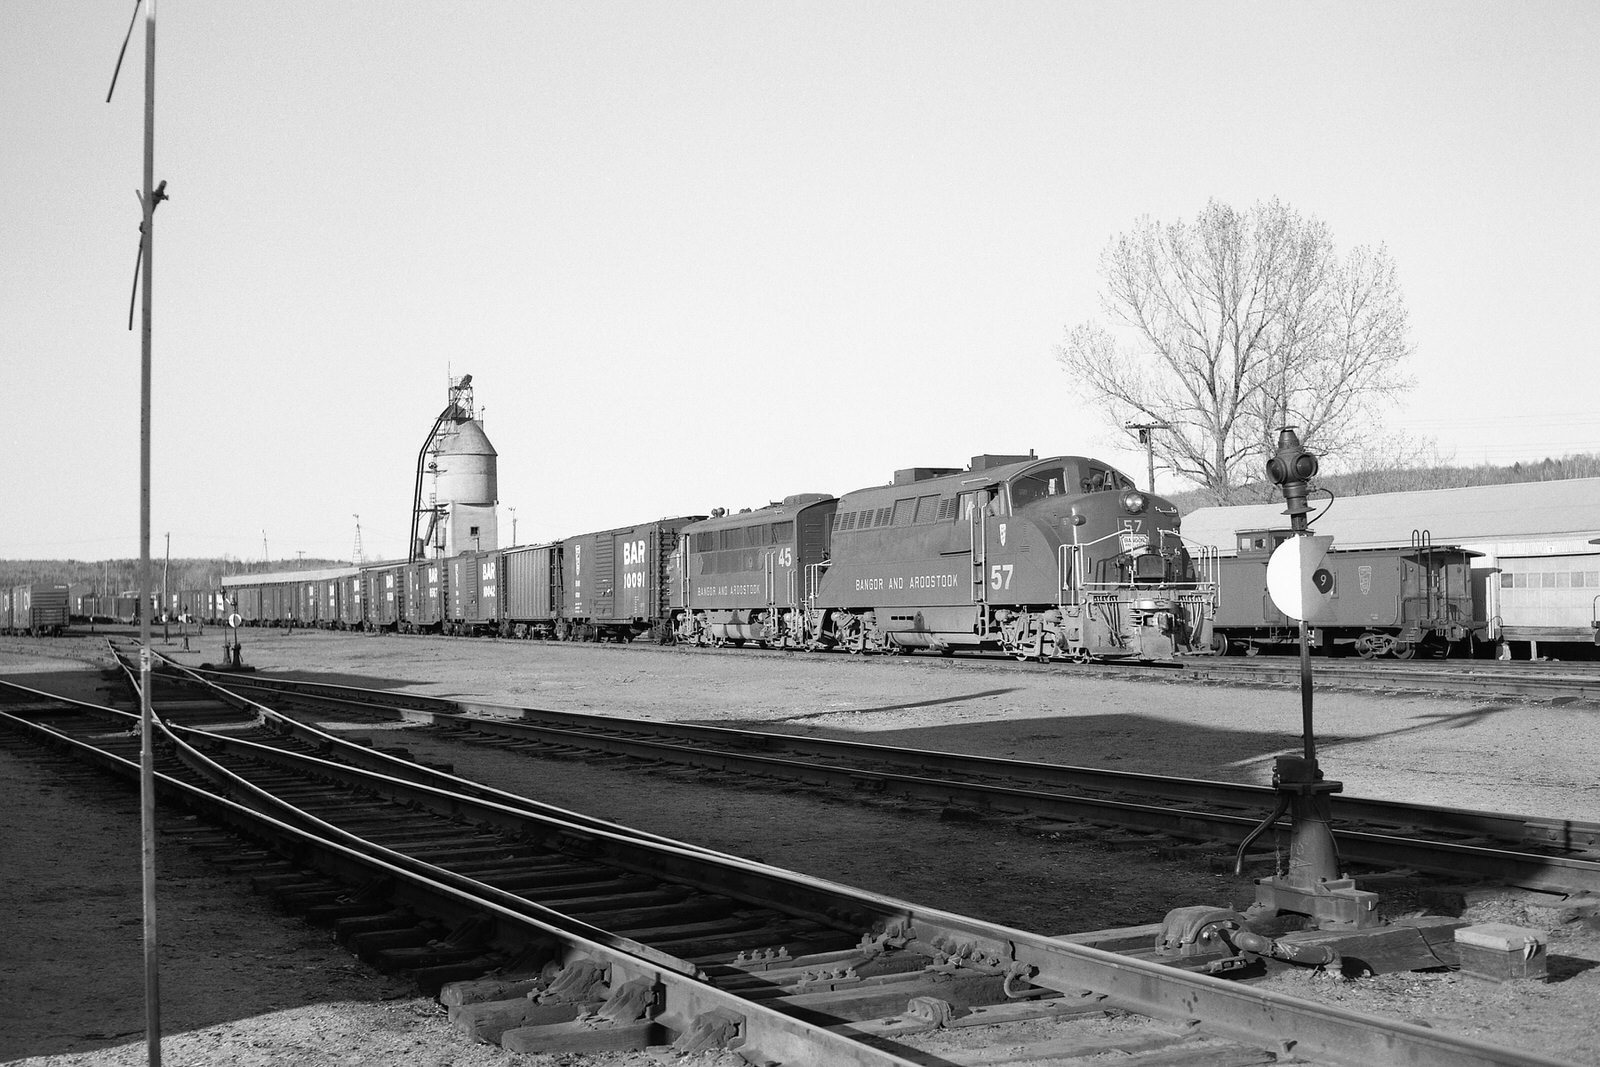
[1500, 952]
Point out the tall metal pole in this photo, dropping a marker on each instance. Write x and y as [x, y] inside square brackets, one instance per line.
[166, 601]
[147, 762]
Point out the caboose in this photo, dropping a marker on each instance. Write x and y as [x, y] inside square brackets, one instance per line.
[1042, 558]
[1385, 601]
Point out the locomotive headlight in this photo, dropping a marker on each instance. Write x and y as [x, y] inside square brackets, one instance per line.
[1133, 502]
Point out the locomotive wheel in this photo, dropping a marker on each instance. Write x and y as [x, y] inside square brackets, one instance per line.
[1404, 650]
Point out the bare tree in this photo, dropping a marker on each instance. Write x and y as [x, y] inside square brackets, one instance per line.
[1234, 324]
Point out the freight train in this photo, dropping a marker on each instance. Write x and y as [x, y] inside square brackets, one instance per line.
[1054, 558]
[1058, 558]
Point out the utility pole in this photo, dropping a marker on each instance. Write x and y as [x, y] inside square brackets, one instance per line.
[513, 526]
[1147, 438]
[166, 565]
[152, 195]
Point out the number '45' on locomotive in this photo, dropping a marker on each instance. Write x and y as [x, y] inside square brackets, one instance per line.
[1043, 558]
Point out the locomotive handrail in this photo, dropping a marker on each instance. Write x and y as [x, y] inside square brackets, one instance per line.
[1208, 558]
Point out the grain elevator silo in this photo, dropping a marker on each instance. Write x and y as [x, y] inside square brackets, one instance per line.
[459, 514]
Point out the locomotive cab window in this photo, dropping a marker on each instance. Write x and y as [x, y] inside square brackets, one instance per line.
[1104, 479]
[979, 501]
[1038, 485]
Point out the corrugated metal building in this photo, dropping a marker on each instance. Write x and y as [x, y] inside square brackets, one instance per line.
[1539, 562]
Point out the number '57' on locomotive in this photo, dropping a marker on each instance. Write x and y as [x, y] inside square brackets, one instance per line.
[1043, 558]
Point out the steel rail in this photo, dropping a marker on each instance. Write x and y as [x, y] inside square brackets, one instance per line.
[1256, 1017]
[980, 786]
[398, 767]
[1451, 678]
[768, 1033]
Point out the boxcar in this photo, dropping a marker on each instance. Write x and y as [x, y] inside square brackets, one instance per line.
[352, 612]
[473, 593]
[277, 604]
[330, 602]
[1386, 601]
[530, 590]
[303, 601]
[197, 604]
[383, 592]
[38, 608]
[616, 584]
[425, 596]
[750, 576]
[247, 603]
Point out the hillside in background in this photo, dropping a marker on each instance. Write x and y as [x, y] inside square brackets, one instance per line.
[117, 576]
[1411, 479]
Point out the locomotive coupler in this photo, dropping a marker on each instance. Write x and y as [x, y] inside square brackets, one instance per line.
[1312, 884]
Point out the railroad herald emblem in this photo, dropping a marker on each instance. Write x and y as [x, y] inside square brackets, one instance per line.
[1366, 580]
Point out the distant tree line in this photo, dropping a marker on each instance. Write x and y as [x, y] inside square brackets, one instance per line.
[117, 576]
[1409, 479]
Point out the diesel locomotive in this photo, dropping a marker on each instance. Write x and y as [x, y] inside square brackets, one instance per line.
[1058, 558]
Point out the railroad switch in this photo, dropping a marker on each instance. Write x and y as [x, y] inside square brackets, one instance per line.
[1312, 885]
[1201, 931]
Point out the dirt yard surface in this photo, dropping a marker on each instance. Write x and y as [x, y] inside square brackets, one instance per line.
[245, 985]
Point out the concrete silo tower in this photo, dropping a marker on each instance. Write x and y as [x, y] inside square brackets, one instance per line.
[459, 515]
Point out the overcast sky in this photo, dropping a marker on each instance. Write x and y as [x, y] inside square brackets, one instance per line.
[710, 254]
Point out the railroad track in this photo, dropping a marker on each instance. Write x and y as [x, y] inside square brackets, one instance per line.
[1547, 855]
[1564, 682]
[1540, 681]
[610, 939]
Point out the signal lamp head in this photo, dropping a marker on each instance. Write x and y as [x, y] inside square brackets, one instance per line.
[1133, 501]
